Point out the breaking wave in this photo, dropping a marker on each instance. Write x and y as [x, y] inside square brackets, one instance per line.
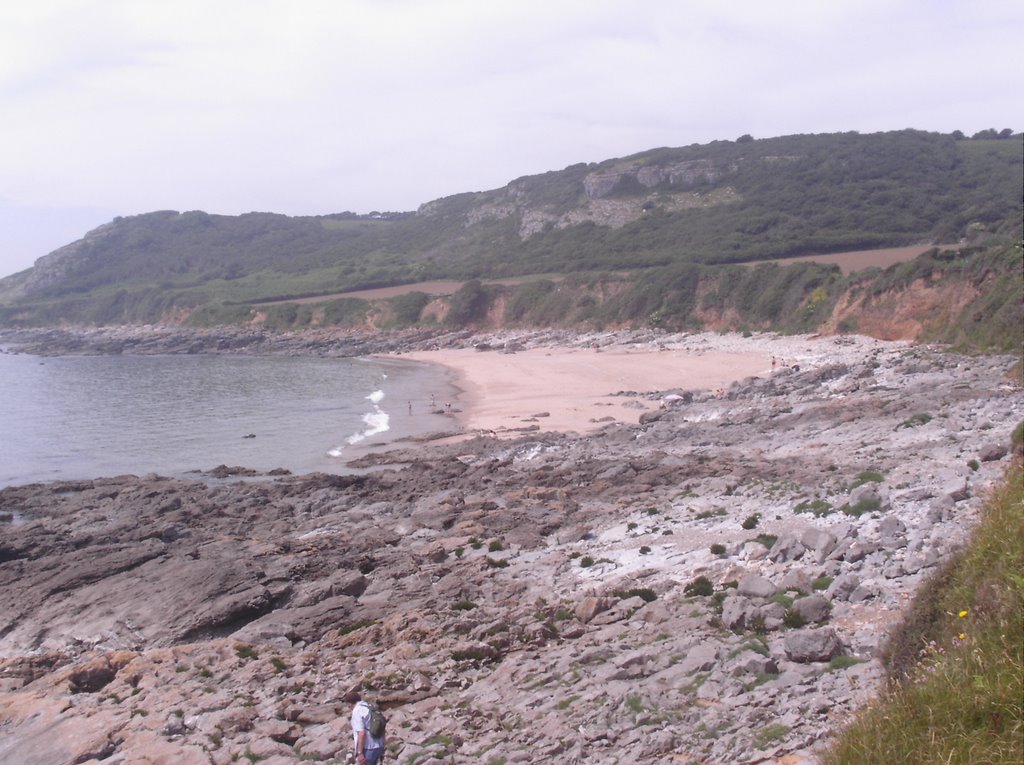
[376, 421]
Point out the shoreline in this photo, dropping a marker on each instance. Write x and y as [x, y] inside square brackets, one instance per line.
[574, 390]
[579, 386]
[446, 574]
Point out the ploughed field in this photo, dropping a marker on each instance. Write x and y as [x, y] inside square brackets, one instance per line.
[853, 260]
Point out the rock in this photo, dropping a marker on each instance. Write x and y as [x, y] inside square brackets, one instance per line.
[992, 452]
[737, 612]
[322, 742]
[755, 586]
[818, 541]
[843, 586]
[891, 533]
[347, 583]
[701, 658]
[795, 580]
[786, 548]
[591, 606]
[812, 609]
[868, 497]
[804, 646]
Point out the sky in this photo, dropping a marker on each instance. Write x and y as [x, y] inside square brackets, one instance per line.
[308, 107]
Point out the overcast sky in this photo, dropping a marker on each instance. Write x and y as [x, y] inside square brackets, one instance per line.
[118, 107]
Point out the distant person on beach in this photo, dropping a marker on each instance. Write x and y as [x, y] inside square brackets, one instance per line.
[410, 407]
[369, 750]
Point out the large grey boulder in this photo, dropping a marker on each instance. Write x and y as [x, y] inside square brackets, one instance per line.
[892, 533]
[805, 646]
[754, 586]
[786, 548]
[797, 580]
[992, 452]
[843, 586]
[737, 612]
[813, 608]
[818, 541]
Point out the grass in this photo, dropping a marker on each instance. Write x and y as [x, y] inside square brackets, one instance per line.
[957, 662]
[703, 515]
[872, 476]
[818, 507]
[866, 505]
[921, 418]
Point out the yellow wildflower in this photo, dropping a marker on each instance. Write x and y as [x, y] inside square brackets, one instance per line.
[963, 613]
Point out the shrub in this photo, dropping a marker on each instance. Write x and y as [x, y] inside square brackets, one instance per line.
[700, 586]
[495, 546]
[496, 562]
[782, 599]
[352, 627]
[246, 652]
[752, 521]
[586, 561]
[866, 505]
[793, 619]
[921, 418]
[818, 507]
[464, 605]
[766, 539]
[645, 550]
[821, 583]
[973, 465]
[717, 549]
[716, 513]
[646, 593]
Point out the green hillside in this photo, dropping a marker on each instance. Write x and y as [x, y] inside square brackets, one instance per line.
[724, 202]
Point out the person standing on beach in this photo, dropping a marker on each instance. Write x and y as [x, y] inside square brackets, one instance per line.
[368, 750]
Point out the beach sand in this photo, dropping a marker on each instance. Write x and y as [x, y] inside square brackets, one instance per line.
[571, 389]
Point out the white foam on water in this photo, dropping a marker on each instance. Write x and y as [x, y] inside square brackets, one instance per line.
[376, 421]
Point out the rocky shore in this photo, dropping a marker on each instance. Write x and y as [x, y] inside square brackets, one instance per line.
[183, 340]
[712, 585]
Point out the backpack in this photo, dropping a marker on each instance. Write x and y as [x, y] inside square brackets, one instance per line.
[377, 723]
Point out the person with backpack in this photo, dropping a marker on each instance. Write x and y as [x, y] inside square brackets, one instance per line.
[368, 730]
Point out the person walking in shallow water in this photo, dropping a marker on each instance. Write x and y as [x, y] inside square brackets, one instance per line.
[368, 750]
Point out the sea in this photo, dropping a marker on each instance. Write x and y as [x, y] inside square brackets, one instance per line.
[81, 417]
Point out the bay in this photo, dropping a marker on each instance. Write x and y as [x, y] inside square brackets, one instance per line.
[79, 417]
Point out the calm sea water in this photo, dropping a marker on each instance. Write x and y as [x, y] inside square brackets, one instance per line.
[83, 417]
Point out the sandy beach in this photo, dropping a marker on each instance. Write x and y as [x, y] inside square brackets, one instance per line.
[574, 389]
